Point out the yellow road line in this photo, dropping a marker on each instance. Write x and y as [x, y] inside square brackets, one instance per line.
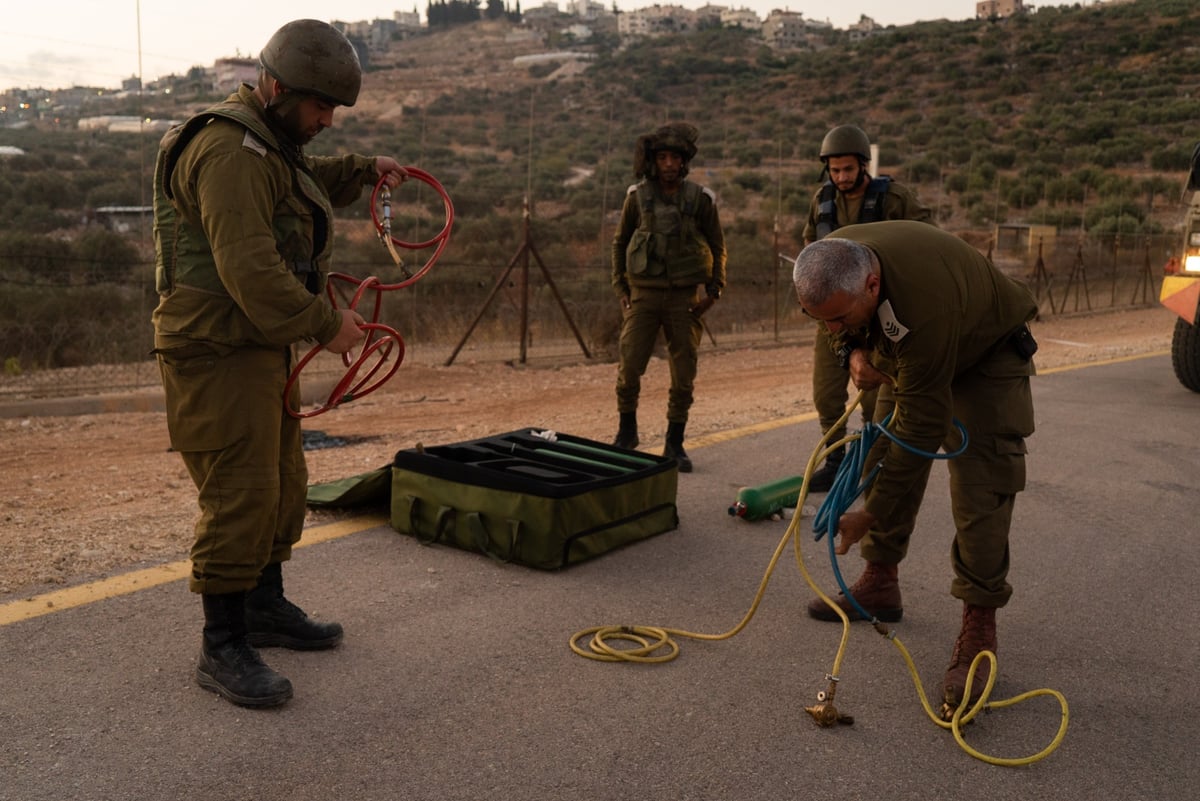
[50, 602]
[1103, 362]
[734, 433]
[57, 601]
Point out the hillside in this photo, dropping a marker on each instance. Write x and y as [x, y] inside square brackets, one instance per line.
[1027, 119]
[1082, 119]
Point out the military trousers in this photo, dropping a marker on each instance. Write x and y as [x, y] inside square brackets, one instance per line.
[994, 404]
[651, 311]
[244, 452]
[830, 387]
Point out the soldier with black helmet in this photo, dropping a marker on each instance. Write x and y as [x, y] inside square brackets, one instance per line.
[849, 195]
[243, 237]
[669, 245]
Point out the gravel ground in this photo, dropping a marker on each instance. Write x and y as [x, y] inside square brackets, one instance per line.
[90, 495]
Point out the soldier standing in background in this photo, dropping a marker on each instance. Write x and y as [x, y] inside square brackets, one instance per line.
[849, 196]
[668, 245]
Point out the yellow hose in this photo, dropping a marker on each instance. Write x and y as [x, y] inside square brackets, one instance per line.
[653, 644]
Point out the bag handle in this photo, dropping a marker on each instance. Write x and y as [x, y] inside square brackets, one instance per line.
[443, 521]
[483, 540]
[480, 538]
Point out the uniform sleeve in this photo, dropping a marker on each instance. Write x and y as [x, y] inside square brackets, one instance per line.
[710, 227]
[810, 226]
[343, 176]
[629, 222]
[902, 203]
[235, 193]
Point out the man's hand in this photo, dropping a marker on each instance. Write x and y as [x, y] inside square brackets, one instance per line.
[852, 527]
[863, 373]
[625, 303]
[704, 305]
[390, 171]
[350, 334]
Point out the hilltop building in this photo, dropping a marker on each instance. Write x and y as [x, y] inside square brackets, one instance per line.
[990, 9]
[789, 29]
[230, 73]
[656, 20]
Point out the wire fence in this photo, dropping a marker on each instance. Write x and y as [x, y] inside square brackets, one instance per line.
[94, 337]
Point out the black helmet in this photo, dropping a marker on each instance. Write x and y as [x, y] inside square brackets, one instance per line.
[846, 140]
[314, 58]
[677, 137]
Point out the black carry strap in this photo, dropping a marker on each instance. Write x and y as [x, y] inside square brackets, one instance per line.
[871, 211]
[445, 522]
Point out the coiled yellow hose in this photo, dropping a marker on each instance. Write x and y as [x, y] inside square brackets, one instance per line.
[653, 644]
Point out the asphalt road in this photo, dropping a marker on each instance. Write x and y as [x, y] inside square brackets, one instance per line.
[456, 681]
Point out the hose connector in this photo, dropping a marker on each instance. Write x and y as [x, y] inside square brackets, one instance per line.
[824, 713]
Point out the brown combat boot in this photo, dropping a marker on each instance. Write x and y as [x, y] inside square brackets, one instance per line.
[877, 591]
[978, 634]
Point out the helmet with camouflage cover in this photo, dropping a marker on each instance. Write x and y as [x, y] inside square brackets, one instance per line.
[846, 140]
[677, 137]
[314, 58]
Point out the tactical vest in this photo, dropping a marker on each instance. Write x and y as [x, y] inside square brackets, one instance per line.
[871, 211]
[182, 252]
[668, 249]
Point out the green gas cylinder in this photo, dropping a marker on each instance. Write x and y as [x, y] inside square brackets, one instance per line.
[758, 503]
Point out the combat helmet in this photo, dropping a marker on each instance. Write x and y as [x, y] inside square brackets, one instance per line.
[846, 140]
[315, 58]
[677, 137]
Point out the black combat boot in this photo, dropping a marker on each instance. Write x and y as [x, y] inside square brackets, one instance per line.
[674, 446]
[627, 436]
[272, 620]
[822, 480]
[228, 665]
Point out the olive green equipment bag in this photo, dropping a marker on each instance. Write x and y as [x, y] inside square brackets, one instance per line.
[535, 498]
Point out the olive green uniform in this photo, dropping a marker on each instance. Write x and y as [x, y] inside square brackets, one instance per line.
[829, 377]
[243, 233]
[946, 320]
[659, 259]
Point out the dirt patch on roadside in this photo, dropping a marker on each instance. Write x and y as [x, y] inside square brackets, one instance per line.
[90, 495]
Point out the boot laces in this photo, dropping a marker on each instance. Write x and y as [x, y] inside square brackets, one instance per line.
[978, 634]
[285, 607]
[242, 654]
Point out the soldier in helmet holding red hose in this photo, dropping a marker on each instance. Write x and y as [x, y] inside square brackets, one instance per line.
[243, 233]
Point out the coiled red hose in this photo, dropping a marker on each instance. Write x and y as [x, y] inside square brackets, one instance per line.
[365, 371]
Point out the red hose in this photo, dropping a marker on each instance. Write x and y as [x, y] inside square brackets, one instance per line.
[382, 342]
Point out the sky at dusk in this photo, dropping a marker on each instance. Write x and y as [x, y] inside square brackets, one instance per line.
[102, 42]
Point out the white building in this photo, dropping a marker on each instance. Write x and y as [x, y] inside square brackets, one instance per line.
[986, 9]
[587, 9]
[656, 20]
[785, 29]
[740, 18]
[230, 73]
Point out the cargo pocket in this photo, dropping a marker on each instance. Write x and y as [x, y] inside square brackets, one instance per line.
[197, 396]
[996, 462]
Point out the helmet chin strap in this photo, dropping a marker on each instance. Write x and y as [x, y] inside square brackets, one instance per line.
[277, 109]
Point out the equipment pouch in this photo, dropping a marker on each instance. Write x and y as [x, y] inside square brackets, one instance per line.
[637, 253]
